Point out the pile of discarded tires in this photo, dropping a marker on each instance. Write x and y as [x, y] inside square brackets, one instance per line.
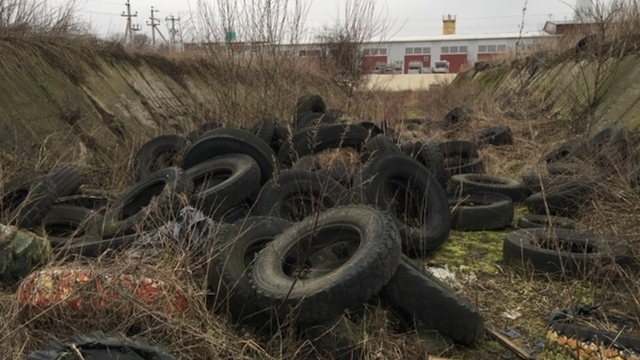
[296, 243]
[298, 240]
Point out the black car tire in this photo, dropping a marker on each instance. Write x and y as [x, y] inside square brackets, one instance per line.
[294, 195]
[351, 284]
[479, 212]
[158, 153]
[399, 171]
[575, 252]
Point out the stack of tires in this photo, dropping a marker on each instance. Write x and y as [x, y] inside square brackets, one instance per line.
[574, 172]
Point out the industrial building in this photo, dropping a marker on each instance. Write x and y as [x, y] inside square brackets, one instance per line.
[446, 53]
[458, 50]
[402, 55]
[422, 53]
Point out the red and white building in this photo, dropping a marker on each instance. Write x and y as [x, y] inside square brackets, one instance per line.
[401, 54]
[459, 50]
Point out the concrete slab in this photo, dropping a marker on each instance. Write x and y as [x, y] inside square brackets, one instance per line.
[399, 82]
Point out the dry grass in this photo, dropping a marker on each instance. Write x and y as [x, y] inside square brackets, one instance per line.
[249, 89]
[198, 334]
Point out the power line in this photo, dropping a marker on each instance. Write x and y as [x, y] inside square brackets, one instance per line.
[97, 13]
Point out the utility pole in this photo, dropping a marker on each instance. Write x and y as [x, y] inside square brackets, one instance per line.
[128, 31]
[153, 25]
[172, 31]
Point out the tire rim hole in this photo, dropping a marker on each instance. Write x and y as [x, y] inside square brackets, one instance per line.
[141, 200]
[163, 160]
[253, 250]
[211, 179]
[322, 252]
[296, 207]
[407, 201]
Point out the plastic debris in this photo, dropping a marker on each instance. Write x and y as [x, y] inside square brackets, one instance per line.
[510, 332]
[192, 231]
[511, 314]
[442, 273]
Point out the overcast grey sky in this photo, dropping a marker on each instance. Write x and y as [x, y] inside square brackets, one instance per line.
[406, 17]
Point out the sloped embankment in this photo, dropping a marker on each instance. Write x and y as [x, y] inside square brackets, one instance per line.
[60, 102]
[94, 104]
[592, 90]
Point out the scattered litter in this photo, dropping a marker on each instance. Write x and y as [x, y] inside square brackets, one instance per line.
[538, 346]
[593, 311]
[512, 314]
[190, 230]
[443, 274]
[468, 276]
[510, 332]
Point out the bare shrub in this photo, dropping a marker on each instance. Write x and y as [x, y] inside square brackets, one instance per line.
[29, 18]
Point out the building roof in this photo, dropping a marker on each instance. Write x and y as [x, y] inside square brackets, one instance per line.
[457, 37]
[570, 22]
[551, 26]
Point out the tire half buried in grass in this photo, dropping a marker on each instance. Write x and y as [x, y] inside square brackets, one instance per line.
[278, 274]
[65, 222]
[396, 183]
[158, 153]
[563, 251]
[26, 199]
[67, 179]
[563, 199]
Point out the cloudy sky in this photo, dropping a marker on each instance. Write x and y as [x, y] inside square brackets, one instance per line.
[404, 17]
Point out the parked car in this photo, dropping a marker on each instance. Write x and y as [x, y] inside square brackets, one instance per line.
[415, 67]
[384, 68]
[441, 67]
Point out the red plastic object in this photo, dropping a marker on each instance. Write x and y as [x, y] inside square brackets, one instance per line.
[81, 289]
